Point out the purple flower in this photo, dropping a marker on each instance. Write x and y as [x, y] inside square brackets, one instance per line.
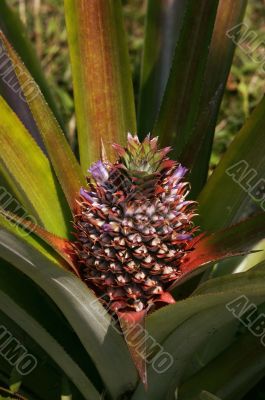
[86, 195]
[180, 172]
[185, 236]
[99, 172]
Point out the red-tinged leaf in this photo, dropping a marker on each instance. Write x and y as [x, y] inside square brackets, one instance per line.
[64, 162]
[133, 328]
[236, 240]
[101, 75]
[60, 245]
[166, 298]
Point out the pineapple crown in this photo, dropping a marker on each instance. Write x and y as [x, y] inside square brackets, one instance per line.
[142, 157]
[140, 165]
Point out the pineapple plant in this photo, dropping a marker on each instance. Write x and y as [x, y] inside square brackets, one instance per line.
[125, 271]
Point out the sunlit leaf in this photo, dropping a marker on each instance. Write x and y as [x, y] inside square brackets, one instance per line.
[60, 245]
[101, 75]
[16, 33]
[64, 162]
[11, 91]
[31, 175]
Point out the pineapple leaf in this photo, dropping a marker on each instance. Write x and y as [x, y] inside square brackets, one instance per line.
[240, 173]
[16, 33]
[47, 342]
[205, 395]
[178, 348]
[101, 75]
[212, 293]
[196, 153]
[10, 395]
[20, 233]
[162, 27]
[233, 241]
[11, 91]
[230, 282]
[235, 184]
[183, 328]
[232, 374]
[30, 174]
[84, 312]
[64, 162]
[32, 300]
[180, 105]
[60, 245]
[133, 327]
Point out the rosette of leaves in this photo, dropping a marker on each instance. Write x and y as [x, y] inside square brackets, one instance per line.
[114, 285]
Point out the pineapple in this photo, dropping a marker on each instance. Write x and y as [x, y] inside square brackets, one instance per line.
[134, 226]
[135, 235]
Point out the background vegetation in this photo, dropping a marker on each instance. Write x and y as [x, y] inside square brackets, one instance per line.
[46, 28]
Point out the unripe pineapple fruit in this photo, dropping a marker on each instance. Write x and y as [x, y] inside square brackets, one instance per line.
[134, 226]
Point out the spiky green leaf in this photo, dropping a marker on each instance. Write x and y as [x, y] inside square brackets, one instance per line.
[64, 162]
[31, 175]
